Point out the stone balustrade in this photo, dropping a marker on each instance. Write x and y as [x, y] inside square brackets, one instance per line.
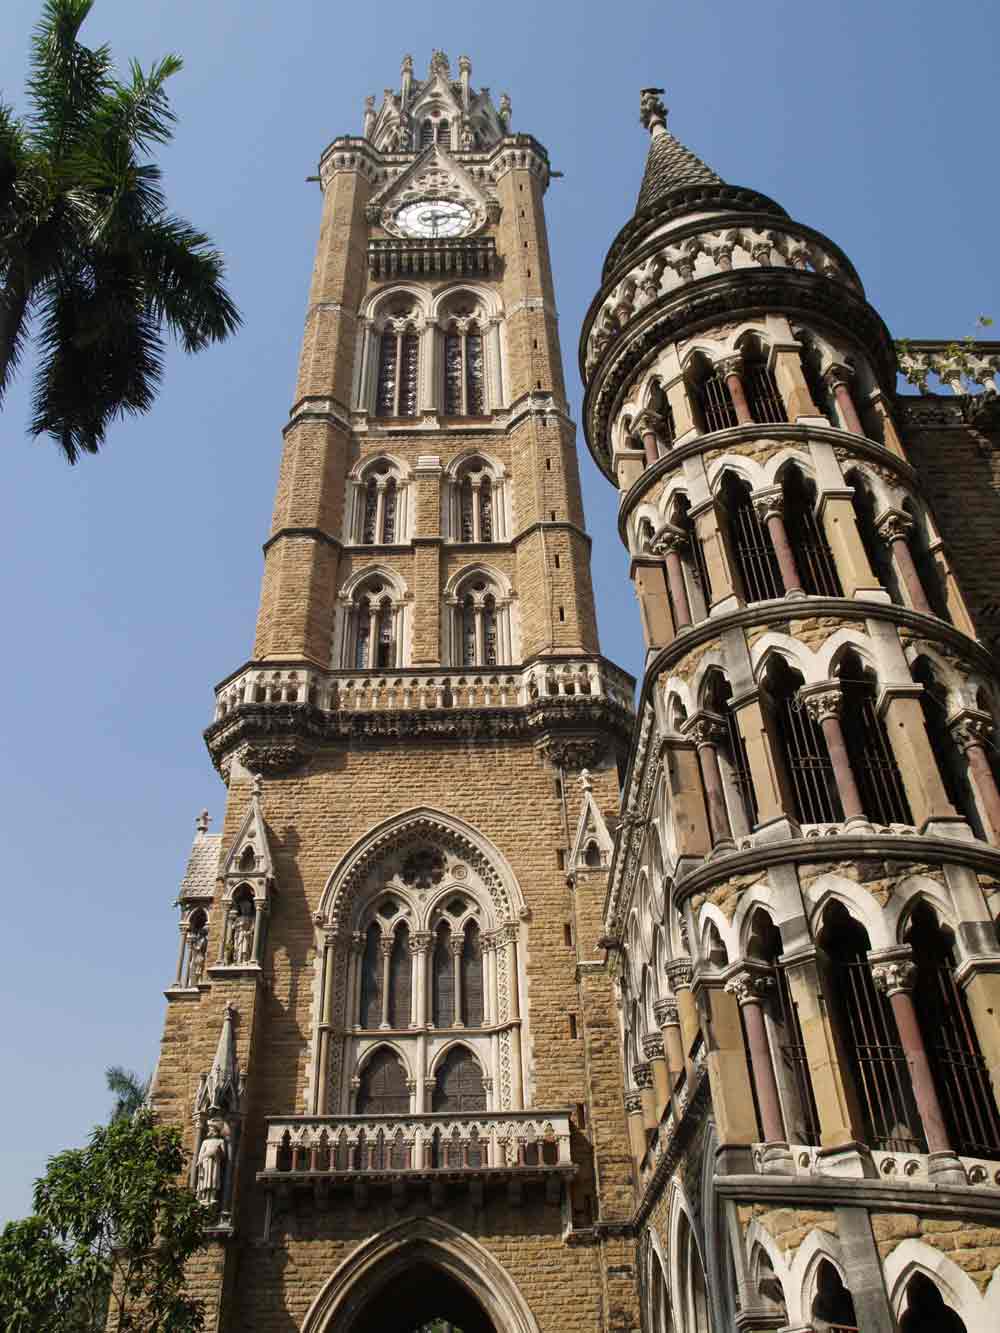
[701, 256]
[408, 690]
[968, 366]
[525, 1142]
[899, 1167]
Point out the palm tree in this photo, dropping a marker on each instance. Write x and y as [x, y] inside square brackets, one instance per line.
[91, 262]
[129, 1091]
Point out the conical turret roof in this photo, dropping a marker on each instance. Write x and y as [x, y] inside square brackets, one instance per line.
[668, 166]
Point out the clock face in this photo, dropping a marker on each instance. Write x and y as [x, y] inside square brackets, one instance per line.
[433, 217]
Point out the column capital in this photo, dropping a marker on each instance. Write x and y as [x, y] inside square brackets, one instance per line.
[420, 941]
[894, 525]
[651, 423]
[357, 943]
[894, 975]
[679, 972]
[633, 1104]
[838, 373]
[769, 503]
[822, 701]
[970, 726]
[750, 986]
[730, 365]
[665, 1013]
[705, 729]
[385, 946]
[668, 540]
[642, 1075]
[652, 1047]
[455, 945]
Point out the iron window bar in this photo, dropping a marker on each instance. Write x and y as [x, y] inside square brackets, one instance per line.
[880, 785]
[793, 1055]
[754, 553]
[813, 782]
[716, 403]
[763, 395]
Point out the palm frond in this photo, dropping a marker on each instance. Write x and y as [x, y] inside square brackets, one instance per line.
[67, 79]
[184, 275]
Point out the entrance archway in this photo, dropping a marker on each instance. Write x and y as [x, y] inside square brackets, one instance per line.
[414, 1273]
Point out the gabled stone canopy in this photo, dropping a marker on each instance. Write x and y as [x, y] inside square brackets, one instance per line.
[395, 127]
[435, 173]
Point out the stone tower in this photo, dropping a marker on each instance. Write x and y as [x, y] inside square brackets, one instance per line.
[803, 893]
[392, 1035]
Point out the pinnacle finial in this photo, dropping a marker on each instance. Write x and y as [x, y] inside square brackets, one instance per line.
[584, 781]
[201, 823]
[652, 112]
[258, 785]
[407, 65]
[440, 64]
[504, 110]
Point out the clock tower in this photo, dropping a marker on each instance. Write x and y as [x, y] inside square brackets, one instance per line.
[391, 1036]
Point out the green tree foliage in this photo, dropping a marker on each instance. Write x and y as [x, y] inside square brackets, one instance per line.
[91, 263]
[128, 1089]
[111, 1234]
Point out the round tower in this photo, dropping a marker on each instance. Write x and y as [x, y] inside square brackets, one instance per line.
[802, 900]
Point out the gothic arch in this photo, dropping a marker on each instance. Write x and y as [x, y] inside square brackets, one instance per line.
[506, 901]
[958, 1289]
[418, 1241]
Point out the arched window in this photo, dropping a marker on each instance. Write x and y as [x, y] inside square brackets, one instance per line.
[383, 1089]
[396, 391]
[426, 133]
[763, 395]
[865, 514]
[810, 359]
[444, 132]
[712, 398]
[868, 1040]
[926, 1311]
[960, 1074]
[691, 1297]
[480, 624]
[472, 977]
[371, 979]
[832, 1307]
[753, 553]
[873, 764]
[464, 375]
[400, 978]
[951, 762]
[372, 638]
[379, 498]
[734, 764]
[791, 1067]
[443, 968]
[813, 556]
[476, 504]
[802, 747]
[458, 1088]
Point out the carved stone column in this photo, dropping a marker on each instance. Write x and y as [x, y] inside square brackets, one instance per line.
[824, 705]
[652, 430]
[751, 988]
[456, 945]
[894, 528]
[838, 379]
[666, 1015]
[679, 973]
[181, 953]
[731, 369]
[642, 1077]
[636, 1129]
[385, 956]
[669, 543]
[770, 507]
[971, 730]
[708, 732]
[420, 945]
[895, 978]
[652, 1049]
[354, 989]
[333, 954]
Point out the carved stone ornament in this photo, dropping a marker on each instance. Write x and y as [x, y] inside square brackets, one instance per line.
[633, 1104]
[642, 1075]
[705, 728]
[895, 977]
[749, 987]
[211, 1166]
[729, 365]
[650, 423]
[273, 757]
[893, 526]
[652, 1047]
[679, 973]
[652, 110]
[970, 728]
[821, 704]
[669, 540]
[575, 752]
[665, 1012]
[769, 503]
[423, 868]
[838, 374]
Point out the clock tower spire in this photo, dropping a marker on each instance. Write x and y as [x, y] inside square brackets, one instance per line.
[397, 927]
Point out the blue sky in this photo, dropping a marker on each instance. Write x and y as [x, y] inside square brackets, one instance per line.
[129, 583]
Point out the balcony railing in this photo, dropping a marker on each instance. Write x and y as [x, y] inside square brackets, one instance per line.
[283, 683]
[517, 1149]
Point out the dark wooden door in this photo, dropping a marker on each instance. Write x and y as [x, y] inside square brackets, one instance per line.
[383, 1086]
[459, 1084]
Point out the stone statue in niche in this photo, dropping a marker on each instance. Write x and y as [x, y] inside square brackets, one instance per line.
[241, 935]
[211, 1163]
[197, 948]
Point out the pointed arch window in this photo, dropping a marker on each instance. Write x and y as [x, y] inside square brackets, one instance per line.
[400, 978]
[398, 373]
[459, 1085]
[383, 1089]
[763, 395]
[872, 761]
[833, 1307]
[802, 746]
[751, 544]
[371, 979]
[813, 557]
[476, 505]
[369, 526]
[443, 969]
[464, 373]
[472, 977]
[372, 630]
[481, 626]
[957, 1065]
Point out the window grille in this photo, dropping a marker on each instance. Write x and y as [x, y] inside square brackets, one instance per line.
[466, 499]
[960, 1074]
[468, 633]
[407, 406]
[362, 636]
[813, 556]
[814, 786]
[453, 375]
[793, 1056]
[741, 767]
[464, 374]
[490, 633]
[474, 385]
[371, 512]
[400, 979]
[472, 977]
[371, 980]
[386, 648]
[873, 764]
[444, 980]
[426, 134]
[485, 510]
[716, 403]
[763, 395]
[385, 401]
[389, 512]
[755, 558]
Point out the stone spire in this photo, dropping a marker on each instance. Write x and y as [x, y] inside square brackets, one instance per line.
[222, 1087]
[669, 165]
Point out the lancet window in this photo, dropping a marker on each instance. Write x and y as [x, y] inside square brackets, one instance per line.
[476, 503]
[397, 388]
[480, 624]
[372, 638]
[813, 557]
[750, 541]
[464, 370]
[379, 504]
[813, 793]
[872, 762]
